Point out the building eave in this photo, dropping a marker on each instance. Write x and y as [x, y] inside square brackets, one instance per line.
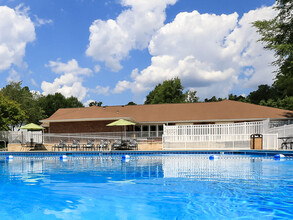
[160, 122]
[87, 119]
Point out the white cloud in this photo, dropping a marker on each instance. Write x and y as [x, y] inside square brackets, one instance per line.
[69, 67]
[40, 21]
[210, 53]
[103, 90]
[121, 86]
[70, 81]
[16, 30]
[35, 93]
[97, 68]
[13, 76]
[88, 102]
[110, 41]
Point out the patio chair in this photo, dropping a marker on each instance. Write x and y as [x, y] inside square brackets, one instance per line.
[116, 145]
[90, 145]
[62, 145]
[75, 145]
[104, 144]
[132, 145]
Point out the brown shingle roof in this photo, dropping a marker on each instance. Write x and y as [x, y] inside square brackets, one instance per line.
[182, 112]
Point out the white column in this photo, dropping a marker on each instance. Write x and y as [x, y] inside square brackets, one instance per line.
[149, 130]
[141, 131]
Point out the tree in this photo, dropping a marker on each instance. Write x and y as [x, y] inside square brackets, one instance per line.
[95, 103]
[237, 98]
[213, 99]
[277, 34]
[190, 96]
[51, 103]
[171, 91]
[264, 92]
[28, 101]
[72, 102]
[10, 114]
[131, 103]
[285, 103]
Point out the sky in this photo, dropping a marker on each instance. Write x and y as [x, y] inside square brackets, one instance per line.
[117, 51]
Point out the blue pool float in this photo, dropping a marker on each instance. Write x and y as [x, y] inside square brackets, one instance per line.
[125, 158]
[279, 156]
[63, 157]
[10, 157]
[212, 157]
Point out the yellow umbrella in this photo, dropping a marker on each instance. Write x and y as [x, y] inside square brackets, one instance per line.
[121, 122]
[32, 127]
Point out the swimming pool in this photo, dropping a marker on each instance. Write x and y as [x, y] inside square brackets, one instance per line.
[146, 187]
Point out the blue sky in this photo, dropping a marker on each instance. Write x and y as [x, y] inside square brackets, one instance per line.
[117, 51]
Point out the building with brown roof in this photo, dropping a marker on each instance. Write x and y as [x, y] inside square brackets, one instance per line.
[150, 118]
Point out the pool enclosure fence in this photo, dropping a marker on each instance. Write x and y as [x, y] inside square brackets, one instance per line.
[218, 136]
[53, 138]
[176, 137]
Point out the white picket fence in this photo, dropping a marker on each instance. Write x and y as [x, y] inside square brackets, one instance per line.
[22, 136]
[216, 136]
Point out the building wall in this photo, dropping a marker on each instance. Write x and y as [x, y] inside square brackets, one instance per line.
[84, 127]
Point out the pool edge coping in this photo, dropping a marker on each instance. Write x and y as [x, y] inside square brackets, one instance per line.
[68, 153]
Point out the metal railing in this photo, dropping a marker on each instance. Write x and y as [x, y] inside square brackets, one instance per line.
[282, 131]
[53, 138]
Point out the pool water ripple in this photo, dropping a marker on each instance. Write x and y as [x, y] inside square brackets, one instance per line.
[146, 187]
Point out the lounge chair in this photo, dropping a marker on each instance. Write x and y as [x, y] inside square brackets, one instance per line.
[90, 145]
[116, 145]
[132, 145]
[104, 144]
[62, 145]
[75, 145]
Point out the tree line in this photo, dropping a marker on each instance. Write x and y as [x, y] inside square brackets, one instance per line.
[19, 105]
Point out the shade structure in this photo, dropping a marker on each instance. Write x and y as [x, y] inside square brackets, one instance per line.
[121, 122]
[32, 127]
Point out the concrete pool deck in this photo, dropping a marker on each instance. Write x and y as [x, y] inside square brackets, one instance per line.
[142, 146]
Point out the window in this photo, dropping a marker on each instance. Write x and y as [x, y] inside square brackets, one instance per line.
[137, 128]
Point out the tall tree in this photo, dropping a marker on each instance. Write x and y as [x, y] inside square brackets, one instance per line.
[277, 34]
[51, 103]
[264, 92]
[28, 100]
[10, 114]
[171, 91]
[72, 102]
[284, 103]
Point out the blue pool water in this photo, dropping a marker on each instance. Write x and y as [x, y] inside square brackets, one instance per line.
[146, 187]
